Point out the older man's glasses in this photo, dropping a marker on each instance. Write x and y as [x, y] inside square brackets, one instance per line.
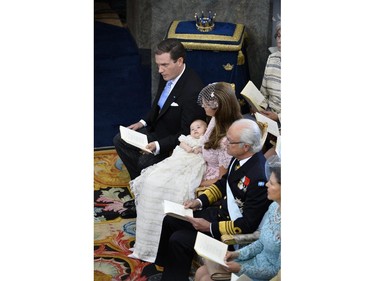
[233, 142]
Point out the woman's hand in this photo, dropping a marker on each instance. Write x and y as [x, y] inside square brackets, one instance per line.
[270, 114]
[197, 149]
[233, 266]
[231, 255]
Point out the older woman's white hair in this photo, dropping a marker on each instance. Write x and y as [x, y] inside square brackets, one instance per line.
[273, 165]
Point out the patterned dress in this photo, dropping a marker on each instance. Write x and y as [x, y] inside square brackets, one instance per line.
[261, 259]
[271, 84]
[214, 157]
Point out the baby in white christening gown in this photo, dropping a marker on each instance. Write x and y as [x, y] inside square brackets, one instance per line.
[174, 179]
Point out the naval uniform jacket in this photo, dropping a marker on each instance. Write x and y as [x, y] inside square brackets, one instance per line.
[250, 195]
[179, 111]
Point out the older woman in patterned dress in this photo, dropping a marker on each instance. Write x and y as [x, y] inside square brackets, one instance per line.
[260, 260]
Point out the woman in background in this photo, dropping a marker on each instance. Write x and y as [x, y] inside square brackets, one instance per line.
[271, 84]
[271, 89]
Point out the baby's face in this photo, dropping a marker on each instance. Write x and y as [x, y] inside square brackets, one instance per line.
[197, 129]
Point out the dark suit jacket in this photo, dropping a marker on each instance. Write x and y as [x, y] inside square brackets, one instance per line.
[172, 121]
[251, 198]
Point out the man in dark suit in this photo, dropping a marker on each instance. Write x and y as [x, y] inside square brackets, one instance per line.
[173, 110]
[243, 202]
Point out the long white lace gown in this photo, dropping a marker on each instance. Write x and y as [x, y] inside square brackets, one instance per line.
[175, 179]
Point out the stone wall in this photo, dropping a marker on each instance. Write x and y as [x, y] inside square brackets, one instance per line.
[149, 21]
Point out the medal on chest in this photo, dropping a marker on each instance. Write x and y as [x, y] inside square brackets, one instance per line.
[243, 183]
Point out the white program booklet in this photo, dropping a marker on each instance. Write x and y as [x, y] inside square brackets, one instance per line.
[272, 128]
[253, 96]
[210, 248]
[177, 210]
[134, 138]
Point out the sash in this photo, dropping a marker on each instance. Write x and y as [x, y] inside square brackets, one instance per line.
[233, 209]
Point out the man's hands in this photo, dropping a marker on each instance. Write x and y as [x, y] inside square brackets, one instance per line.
[192, 204]
[198, 223]
[136, 126]
[151, 146]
